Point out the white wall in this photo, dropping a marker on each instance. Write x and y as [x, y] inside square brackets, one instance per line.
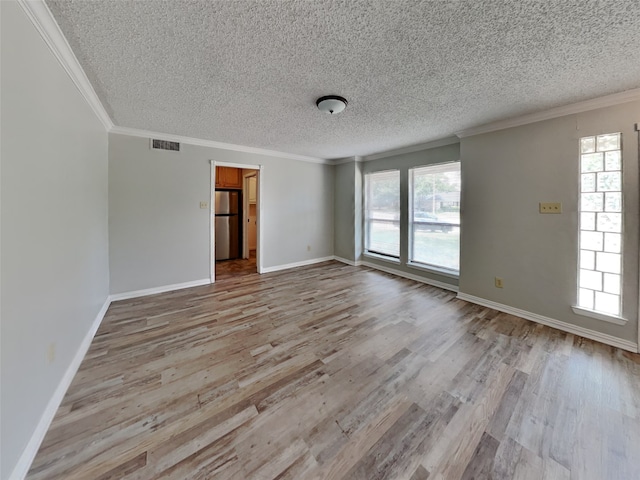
[159, 236]
[505, 175]
[54, 252]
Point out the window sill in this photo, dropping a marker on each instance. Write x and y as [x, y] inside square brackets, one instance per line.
[605, 317]
[438, 271]
[384, 258]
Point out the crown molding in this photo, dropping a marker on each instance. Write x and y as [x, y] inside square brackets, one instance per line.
[134, 132]
[341, 161]
[42, 19]
[44, 22]
[412, 148]
[579, 107]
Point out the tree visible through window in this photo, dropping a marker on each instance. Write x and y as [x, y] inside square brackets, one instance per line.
[382, 213]
[600, 269]
[434, 216]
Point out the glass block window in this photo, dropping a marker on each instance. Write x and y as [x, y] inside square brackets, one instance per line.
[600, 262]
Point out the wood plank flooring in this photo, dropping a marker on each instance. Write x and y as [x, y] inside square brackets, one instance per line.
[339, 372]
[226, 269]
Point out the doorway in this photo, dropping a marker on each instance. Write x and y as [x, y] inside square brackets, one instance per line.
[235, 220]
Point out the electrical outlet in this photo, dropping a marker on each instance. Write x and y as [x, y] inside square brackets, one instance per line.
[498, 282]
[204, 204]
[51, 352]
[308, 248]
[550, 207]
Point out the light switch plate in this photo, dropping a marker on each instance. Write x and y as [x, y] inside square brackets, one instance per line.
[550, 207]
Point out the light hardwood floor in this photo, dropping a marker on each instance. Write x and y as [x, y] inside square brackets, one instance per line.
[331, 372]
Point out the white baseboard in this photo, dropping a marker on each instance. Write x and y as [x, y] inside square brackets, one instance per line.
[552, 322]
[30, 451]
[411, 276]
[152, 291]
[287, 266]
[357, 263]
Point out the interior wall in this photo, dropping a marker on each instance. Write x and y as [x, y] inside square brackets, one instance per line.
[403, 162]
[348, 202]
[159, 236]
[358, 210]
[345, 211]
[505, 175]
[54, 251]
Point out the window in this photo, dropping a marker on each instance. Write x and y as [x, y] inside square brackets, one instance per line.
[600, 263]
[434, 216]
[382, 213]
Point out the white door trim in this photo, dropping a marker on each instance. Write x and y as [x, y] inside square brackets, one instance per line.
[245, 216]
[212, 211]
[245, 207]
[636, 127]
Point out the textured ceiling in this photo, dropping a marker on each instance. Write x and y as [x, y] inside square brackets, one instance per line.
[248, 72]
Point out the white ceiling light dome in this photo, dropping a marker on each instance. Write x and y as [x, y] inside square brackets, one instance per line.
[331, 104]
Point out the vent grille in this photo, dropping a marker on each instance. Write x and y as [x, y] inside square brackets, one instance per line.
[165, 145]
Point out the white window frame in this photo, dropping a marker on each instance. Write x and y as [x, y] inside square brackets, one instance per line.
[440, 270]
[367, 220]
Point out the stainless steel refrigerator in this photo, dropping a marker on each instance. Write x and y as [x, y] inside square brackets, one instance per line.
[227, 225]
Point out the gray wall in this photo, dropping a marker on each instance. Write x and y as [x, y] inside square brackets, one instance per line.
[404, 162]
[505, 175]
[54, 253]
[358, 214]
[348, 202]
[345, 211]
[159, 236]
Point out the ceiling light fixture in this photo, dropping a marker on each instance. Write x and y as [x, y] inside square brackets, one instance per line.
[331, 104]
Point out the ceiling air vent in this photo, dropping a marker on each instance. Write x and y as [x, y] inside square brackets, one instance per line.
[165, 145]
